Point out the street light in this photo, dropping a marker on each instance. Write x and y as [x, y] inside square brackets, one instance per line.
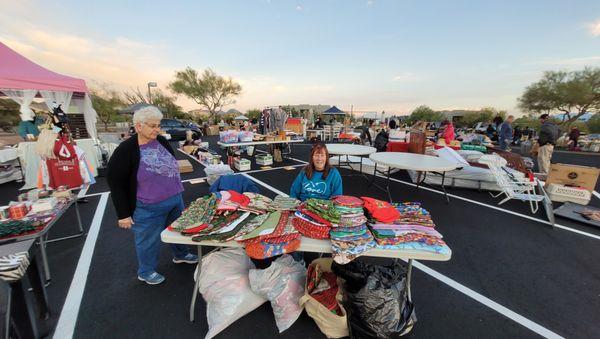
[151, 84]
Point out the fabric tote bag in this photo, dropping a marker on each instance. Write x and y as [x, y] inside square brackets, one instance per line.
[332, 325]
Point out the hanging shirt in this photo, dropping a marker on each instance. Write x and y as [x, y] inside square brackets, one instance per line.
[317, 187]
[158, 174]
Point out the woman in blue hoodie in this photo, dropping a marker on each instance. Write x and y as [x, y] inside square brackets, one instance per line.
[318, 179]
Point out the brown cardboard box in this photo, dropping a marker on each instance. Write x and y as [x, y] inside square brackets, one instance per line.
[213, 130]
[185, 166]
[572, 175]
[189, 149]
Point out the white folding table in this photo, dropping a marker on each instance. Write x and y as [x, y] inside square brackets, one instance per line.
[306, 245]
[350, 150]
[410, 161]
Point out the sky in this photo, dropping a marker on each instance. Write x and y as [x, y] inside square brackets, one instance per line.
[371, 55]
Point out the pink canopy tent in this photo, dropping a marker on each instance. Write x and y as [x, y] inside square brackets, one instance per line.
[22, 80]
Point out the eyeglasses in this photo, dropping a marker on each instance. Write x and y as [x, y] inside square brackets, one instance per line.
[153, 126]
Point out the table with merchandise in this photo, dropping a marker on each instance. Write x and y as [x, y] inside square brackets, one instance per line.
[34, 220]
[348, 227]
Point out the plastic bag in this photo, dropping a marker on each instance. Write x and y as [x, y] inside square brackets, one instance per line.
[225, 287]
[245, 136]
[213, 172]
[283, 284]
[331, 324]
[376, 300]
[230, 136]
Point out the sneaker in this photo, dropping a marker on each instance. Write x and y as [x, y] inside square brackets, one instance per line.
[187, 259]
[152, 278]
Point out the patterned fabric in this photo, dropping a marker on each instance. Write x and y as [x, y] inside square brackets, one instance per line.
[323, 287]
[280, 229]
[199, 213]
[249, 226]
[264, 249]
[381, 210]
[267, 227]
[323, 208]
[344, 252]
[285, 203]
[348, 201]
[226, 231]
[310, 229]
[259, 202]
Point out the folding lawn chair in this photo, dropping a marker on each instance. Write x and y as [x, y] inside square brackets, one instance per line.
[510, 186]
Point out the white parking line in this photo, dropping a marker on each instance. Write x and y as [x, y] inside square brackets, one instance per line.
[68, 316]
[531, 325]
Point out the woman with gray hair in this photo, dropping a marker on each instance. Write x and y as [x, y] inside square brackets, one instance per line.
[145, 187]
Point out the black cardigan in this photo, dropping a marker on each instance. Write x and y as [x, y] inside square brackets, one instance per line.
[122, 174]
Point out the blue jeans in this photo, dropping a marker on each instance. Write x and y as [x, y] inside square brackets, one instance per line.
[149, 220]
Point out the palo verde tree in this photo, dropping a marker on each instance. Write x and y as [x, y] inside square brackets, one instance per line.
[572, 93]
[209, 90]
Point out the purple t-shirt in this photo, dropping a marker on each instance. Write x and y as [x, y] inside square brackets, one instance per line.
[158, 174]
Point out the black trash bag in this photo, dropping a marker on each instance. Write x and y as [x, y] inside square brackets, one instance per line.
[376, 299]
[381, 141]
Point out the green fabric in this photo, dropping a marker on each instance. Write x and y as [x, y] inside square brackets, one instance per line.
[267, 227]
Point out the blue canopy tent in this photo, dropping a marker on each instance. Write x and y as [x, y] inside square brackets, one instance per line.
[334, 111]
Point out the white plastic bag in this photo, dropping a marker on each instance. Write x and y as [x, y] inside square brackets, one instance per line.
[283, 284]
[213, 172]
[225, 288]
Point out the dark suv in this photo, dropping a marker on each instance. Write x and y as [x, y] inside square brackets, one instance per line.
[177, 128]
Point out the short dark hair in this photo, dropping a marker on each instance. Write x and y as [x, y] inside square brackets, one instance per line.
[544, 116]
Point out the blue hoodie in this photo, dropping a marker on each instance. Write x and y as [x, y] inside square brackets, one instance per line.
[317, 187]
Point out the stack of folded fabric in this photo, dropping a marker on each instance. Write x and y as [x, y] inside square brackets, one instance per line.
[275, 236]
[231, 200]
[310, 227]
[223, 226]
[350, 237]
[321, 210]
[259, 204]
[412, 230]
[380, 210]
[16, 227]
[14, 266]
[197, 216]
[283, 203]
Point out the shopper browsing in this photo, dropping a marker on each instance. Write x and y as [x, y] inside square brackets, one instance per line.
[548, 134]
[318, 179]
[145, 187]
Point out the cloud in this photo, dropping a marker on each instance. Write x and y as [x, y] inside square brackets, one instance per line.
[119, 62]
[594, 28]
[582, 61]
[299, 8]
[370, 3]
[406, 77]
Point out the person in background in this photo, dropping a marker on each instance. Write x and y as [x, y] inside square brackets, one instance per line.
[318, 123]
[318, 179]
[505, 136]
[447, 131]
[517, 135]
[574, 137]
[548, 135]
[392, 125]
[146, 188]
[366, 133]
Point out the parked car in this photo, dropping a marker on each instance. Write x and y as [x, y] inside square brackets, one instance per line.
[178, 129]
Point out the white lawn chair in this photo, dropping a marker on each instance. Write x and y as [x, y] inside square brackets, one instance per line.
[510, 186]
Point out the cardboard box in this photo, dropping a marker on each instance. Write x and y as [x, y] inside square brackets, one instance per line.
[241, 164]
[573, 175]
[189, 149]
[185, 166]
[213, 130]
[562, 193]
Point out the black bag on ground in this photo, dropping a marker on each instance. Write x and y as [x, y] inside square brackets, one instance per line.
[381, 141]
[376, 300]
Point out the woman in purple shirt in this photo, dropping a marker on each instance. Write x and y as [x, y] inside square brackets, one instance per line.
[145, 186]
